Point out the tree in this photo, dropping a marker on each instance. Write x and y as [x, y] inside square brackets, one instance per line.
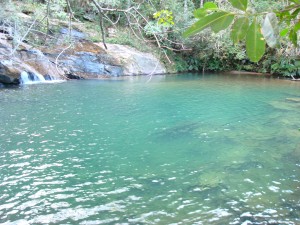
[246, 24]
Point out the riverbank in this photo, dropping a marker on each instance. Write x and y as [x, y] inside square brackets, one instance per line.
[77, 49]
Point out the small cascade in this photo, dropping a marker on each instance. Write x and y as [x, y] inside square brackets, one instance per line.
[30, 78]
[51, 78]
[33, 78]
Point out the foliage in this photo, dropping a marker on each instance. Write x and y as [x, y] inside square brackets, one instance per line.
[286, 67]
[160, 25]
[164, 18]
[247, 21]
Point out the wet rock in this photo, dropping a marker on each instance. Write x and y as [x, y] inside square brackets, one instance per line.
[211, 179]
[26, 59]
[2, 85]
[9, 71]
[84, 59]
[284, 106]
[297, 100]
[178, 131]
[48, 77]
[40, 63]
[74, 77]
[6, 79]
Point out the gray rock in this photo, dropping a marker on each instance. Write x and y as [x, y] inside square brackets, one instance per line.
[8, 80]
[133, 61]
[5, 79]
[88, 61]
[74, 33]
[115, 71]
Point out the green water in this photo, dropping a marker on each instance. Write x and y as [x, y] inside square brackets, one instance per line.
[183, 149]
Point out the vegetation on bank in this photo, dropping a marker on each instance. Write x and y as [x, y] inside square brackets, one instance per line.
[158, 26]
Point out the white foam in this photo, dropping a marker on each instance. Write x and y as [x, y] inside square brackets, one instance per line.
[35, 78]
[248, 180]
[274, 188]
[246, 214]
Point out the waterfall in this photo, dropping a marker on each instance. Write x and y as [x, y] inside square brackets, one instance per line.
[51, 78]
[32, 78]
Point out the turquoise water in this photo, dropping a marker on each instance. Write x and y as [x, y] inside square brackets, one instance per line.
[183, 149]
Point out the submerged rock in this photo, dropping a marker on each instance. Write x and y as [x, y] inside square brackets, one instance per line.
[297, 100]
[178, 131]
[211, 179]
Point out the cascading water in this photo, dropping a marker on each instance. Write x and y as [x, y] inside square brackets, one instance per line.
[32, 78]
[51, 78]
[29, 78]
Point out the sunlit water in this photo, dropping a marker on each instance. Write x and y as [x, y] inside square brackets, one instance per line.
[176, 150]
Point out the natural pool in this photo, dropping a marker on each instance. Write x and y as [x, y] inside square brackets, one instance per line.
[184, 149]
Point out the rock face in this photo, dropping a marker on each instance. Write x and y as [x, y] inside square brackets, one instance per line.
[81, 60]
[13, 63]
[133, 61]
[85, 59]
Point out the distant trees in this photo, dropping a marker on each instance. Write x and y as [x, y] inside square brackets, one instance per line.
[239, 29]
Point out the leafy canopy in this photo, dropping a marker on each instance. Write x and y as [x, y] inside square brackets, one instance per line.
[245, 26]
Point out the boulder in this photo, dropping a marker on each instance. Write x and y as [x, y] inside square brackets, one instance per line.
[81, 60]
[297, 100]
[75, 34]
[26, 58]
[8, 80]
[85, 60]
[9, 70]
[133, 61]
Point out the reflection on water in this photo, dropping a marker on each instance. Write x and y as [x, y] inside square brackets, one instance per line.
[176, 150]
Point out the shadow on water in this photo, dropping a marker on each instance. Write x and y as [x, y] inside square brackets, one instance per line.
[180, 131]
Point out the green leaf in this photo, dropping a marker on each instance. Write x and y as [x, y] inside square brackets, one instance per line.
[284, 32]
[284, 16]
[255, 42]
[239, 4]
[199, 13]
[222, 23]
[270, 30]
[217, 21]
[239, 29]
[295, 13]
[210, 5]
[297, 27]
[293, 37]
[295, 1]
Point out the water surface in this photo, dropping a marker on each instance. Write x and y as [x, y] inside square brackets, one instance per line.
[183, 149]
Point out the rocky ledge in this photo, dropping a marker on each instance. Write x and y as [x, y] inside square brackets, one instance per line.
[79, 59]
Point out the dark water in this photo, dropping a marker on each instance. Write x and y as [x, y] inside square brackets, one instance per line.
[181, 149]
